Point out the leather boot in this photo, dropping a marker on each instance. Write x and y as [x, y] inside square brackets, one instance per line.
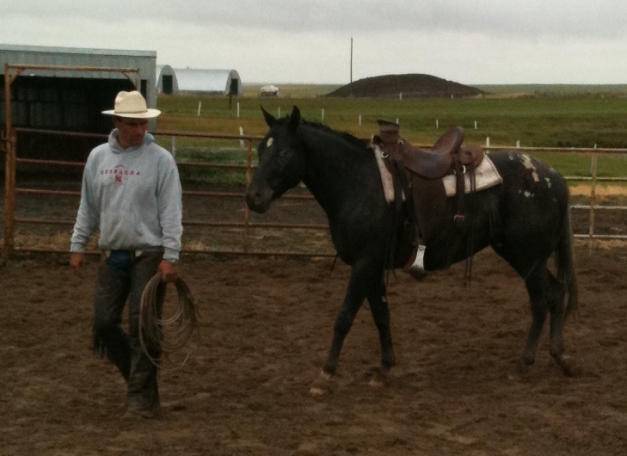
[143, 391]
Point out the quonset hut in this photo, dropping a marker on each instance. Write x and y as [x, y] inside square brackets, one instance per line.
[65, 89]
[166, 81]
[175, 80]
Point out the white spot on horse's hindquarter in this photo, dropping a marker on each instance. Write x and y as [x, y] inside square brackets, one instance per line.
[528, 163]
[270, 141]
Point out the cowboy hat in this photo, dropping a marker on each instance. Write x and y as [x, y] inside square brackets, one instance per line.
[133, 105]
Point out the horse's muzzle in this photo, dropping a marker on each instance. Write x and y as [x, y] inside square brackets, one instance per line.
[257, 200]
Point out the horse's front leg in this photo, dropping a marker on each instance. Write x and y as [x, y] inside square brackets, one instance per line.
[325, 383]
[363, 276]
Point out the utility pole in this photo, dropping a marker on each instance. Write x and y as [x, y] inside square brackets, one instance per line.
[351, 83]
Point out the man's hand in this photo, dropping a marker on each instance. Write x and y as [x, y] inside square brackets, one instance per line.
[168, 271]
[76, 260]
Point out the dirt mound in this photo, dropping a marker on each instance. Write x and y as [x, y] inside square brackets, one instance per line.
[409, 85]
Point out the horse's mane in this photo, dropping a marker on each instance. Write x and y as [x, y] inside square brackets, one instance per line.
[361, 143]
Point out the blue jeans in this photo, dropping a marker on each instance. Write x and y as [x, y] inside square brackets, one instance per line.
[122, 277]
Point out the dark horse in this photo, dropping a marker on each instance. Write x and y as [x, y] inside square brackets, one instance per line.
[525, 220]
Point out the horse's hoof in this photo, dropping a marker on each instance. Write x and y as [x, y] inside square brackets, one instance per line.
[523, 367]
[378, 379]
[376, 382]
[316, 391]
[324, 385]
[569, 367]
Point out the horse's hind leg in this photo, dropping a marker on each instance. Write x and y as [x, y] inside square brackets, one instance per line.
[558, 316]
[381, 315]
[546, 295]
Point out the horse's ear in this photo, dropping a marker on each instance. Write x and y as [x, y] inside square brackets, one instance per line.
[270, 119]
[294, 118]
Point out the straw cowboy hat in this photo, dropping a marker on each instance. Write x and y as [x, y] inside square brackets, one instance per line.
[133, 105]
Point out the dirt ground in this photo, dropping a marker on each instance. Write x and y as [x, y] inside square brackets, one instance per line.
[266, 327]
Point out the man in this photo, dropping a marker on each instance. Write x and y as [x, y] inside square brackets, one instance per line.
[131, 192]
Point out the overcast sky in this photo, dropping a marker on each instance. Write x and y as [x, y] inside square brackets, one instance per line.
[295, 41]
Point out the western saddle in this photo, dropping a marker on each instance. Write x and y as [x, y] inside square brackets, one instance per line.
[418, 173]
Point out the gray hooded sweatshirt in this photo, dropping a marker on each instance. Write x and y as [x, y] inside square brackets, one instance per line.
[133, 196]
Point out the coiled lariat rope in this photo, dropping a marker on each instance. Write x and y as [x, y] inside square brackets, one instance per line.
[171, 333]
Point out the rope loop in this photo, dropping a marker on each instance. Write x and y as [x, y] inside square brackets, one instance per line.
[170, 334]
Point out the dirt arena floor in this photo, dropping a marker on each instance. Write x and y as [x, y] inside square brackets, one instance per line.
[266, 327]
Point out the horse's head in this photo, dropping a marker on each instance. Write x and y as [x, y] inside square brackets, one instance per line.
[281, 162]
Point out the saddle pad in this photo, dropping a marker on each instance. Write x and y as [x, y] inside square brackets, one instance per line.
[486, 176]
[386, 177]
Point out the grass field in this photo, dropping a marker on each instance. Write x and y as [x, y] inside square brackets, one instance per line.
[532, 116]
[534, 121]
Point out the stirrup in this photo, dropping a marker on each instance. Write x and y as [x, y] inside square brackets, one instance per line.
[415, 266]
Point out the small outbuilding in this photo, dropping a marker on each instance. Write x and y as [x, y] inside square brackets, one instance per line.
[269, 91]
[175, 80]
[66, 89]
[167, 82]
[63, 99]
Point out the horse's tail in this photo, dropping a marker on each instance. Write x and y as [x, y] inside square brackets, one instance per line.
[565, 259]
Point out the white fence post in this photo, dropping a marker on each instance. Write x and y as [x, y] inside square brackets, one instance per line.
[199, 105]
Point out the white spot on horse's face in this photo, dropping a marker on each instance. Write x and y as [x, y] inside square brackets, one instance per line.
[528, 194]
[269, 142]
[548, 181]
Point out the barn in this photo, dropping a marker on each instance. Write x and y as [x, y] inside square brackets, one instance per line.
[65, 89]
[166, 80]
[175, 80]
[72, 99]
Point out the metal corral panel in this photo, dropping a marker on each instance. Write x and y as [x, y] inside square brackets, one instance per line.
[216, 81]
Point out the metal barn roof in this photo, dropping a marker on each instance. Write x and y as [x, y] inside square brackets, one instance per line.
[145, 61]
[201, 80]
[56, 95]
[88, 57]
